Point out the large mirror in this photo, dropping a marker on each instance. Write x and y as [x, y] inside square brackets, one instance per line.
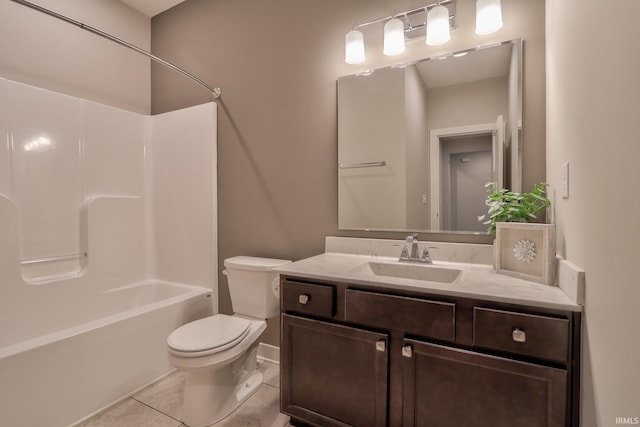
[418, 142]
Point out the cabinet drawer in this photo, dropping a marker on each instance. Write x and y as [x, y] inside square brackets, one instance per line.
[531, 335]
[307, 298]
[425, 318]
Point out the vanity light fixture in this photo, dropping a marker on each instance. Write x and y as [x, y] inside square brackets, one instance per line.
[354, 47]
[438, 28]
[488, 16]
[440, 19]
[437, 23]
[393, 37]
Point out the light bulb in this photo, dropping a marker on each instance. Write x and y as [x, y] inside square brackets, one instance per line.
[354, 47]
[393, 37]
[438, 26]
[488, 16]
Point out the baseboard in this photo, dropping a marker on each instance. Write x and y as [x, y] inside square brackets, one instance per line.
[269, 352]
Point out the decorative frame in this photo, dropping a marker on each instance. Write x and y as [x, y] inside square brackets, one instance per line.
[526, 251]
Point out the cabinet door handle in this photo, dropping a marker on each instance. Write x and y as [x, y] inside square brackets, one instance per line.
[303, 299]
[381, 345]
[407, 351]
[519, 335]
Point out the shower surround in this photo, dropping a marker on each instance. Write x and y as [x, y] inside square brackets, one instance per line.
[109, 242]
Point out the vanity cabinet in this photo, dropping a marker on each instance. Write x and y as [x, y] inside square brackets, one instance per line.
[336, 375]
[355, 355]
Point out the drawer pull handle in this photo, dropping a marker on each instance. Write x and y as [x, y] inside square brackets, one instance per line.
[407, 351]
[303, 299]
[381, 345]
[519, 335]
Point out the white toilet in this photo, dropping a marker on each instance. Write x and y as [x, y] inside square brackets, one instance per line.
[218, 353]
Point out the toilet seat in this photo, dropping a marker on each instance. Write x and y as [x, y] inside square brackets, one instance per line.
[209, 335]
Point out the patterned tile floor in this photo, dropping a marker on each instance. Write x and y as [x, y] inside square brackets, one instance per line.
[159, 405]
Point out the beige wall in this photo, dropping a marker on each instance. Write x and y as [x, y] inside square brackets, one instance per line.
[45, 52]
[277, 63]
[593, 102]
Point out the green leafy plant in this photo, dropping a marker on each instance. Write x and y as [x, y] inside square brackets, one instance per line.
[509, 206]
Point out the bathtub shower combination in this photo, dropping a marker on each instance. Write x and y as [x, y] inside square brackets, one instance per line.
[100, 257]
[95, 352]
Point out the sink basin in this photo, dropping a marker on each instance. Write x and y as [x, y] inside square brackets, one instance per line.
[424, 272]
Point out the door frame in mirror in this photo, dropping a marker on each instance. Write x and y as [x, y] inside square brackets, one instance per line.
[435, 142]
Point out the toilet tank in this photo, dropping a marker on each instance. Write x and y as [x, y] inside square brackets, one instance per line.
[252, 285]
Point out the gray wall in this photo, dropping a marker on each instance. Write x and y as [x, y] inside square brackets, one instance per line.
[277, 63]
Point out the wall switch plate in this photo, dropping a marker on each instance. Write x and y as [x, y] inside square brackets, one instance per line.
[424, 198]
[565, 180]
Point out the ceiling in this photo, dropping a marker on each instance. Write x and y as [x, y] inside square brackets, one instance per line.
[152, 7]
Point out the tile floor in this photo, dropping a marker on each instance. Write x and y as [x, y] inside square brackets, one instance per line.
[159, 405]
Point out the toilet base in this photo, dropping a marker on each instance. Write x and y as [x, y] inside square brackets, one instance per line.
[208, 400]
[212, 393]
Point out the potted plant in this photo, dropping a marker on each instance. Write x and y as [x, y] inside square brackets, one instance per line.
[509, 206]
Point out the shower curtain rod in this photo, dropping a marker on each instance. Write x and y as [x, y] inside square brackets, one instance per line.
[215, 91]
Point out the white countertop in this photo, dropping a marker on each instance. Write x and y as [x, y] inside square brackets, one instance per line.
[478, 281]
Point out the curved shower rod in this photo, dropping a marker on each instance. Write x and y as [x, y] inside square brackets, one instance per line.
[215, 91]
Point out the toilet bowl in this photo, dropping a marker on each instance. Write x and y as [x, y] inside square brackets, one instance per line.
[218, 353]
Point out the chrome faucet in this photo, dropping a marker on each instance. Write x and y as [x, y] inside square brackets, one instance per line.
[413, 239]
[406, 256]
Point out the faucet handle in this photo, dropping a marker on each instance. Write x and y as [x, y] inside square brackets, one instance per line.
[426, 256]
[404, 253]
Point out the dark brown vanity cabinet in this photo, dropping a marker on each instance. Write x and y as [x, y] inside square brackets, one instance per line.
[444, 386]
[336, 375]
[359, 356]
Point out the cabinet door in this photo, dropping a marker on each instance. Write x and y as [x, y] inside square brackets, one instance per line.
[333, 375]
[444, 387]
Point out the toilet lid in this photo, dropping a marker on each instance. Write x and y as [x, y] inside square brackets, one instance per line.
[210, 333]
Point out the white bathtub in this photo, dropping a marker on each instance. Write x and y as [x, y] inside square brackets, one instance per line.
[63, 361]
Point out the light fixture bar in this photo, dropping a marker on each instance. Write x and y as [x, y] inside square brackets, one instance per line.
[405, 14]
[440, 20]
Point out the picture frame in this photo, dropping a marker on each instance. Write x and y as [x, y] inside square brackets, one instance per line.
[526, 251]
